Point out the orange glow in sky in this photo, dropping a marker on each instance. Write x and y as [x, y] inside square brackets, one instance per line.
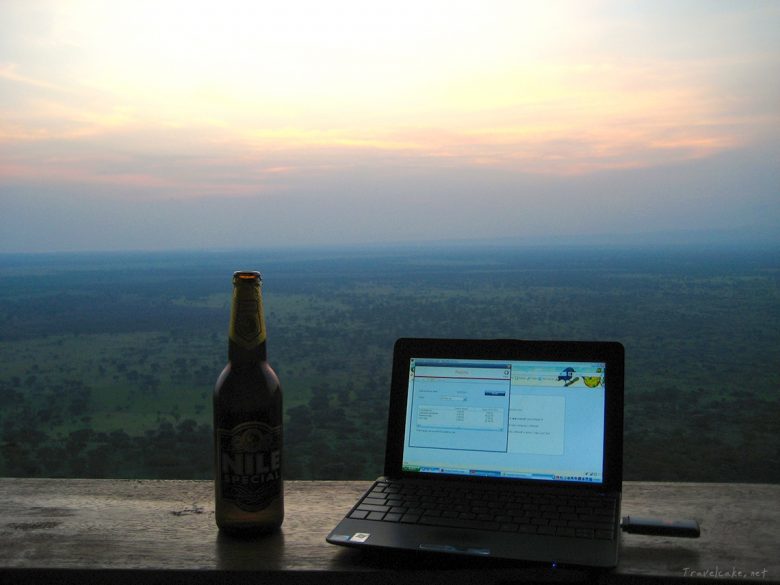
[187, 99]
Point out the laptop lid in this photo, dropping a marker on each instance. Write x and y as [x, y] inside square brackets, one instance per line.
[529, 412]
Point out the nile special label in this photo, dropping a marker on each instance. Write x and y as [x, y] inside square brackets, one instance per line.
[249, 460]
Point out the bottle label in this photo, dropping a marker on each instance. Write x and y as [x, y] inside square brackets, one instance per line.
[247, 326]
[250, 464]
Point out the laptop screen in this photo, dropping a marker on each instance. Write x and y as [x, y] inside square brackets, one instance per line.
[533, 420]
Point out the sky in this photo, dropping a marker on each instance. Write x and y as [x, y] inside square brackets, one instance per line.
[191, 124]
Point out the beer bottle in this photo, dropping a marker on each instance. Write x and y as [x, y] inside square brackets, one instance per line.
[248, 421]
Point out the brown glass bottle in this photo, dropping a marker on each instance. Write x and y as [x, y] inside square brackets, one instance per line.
[248, 421]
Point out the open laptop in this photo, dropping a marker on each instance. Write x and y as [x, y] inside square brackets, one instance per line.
[499, 448]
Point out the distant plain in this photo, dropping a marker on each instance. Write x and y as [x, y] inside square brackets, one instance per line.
[108, 360]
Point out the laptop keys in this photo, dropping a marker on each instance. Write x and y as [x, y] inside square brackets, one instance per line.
[459, 523]
[574, 517]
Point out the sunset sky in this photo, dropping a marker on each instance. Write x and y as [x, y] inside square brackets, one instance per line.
[161, 124]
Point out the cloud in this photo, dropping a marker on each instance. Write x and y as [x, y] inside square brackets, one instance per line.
[103, 109]
[9, 72]
[728, 191]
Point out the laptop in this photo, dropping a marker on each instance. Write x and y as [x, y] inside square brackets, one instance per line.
[499, 448]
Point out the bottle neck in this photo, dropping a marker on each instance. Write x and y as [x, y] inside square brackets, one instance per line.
[247, 326]
[239, 356]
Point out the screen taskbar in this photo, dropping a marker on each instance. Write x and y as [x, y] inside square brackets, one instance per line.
[579, 476]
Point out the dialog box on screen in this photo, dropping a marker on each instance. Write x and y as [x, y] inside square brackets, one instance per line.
[460, 407]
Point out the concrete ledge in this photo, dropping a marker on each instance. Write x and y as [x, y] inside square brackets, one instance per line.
[117, 531]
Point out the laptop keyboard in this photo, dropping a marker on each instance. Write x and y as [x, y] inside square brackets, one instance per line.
[489, 508]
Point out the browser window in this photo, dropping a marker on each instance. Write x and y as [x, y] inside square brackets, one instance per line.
[514, 419]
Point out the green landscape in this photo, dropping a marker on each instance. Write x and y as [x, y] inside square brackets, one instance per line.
[108, 361]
